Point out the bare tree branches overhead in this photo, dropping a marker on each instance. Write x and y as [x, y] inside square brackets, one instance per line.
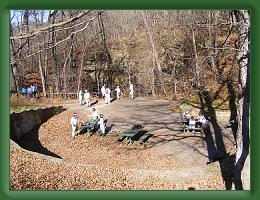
[37, 31]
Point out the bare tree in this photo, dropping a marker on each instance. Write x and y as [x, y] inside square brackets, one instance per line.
[242, 152]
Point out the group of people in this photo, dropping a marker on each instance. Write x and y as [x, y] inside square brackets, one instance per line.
[106, 93]
[84, 98]
[192, 122]
[31, 91]
[74, 122]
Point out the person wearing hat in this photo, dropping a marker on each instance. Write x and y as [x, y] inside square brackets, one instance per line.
[87, 98]
[102, 124]
[74, 122]
[117, 92]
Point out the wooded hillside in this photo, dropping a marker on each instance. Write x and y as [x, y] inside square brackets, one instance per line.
[162, 52]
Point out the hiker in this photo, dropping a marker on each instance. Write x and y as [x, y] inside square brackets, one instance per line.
[102, 124]
[94, 113]
[103, 90]
[80, 96]
[131, 90]
[117, 92]
[87, 98]
[107, 96]
[74, 122]
[24, 91]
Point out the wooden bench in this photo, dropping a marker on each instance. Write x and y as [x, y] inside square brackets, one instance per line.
[187, 128]
[144, 138]
[87, 127]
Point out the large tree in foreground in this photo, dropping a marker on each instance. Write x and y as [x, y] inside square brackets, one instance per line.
[241, 173]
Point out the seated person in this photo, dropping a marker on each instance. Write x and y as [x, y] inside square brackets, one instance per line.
[192, 122]
[186, 115]
[202, 119]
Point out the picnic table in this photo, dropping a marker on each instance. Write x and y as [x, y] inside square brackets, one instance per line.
[129, 134]
[136, 133]
[197, 128]
[88, 127]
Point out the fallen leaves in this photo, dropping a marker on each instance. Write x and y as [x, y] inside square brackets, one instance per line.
[92, 163]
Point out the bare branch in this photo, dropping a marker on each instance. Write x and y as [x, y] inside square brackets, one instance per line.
[35, 32]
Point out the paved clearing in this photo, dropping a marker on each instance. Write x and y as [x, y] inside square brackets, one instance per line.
[168, 138]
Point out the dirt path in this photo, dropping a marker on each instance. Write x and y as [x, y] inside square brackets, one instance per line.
[168, 140]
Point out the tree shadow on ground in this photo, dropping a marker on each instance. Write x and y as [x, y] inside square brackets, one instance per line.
[214, 140]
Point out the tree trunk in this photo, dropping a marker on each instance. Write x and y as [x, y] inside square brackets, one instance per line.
[242, 150]
[154, 52]
[80, 69]
[41, 71]
[68, 58]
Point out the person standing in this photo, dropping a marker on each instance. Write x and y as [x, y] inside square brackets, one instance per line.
[74, 122]
[80, 96]
[102, 125]
[117, 92]
[29, 91]
[24, 91]
[131, 90]
[94, 113]
[107, 96]
[87, 98]
[103, 91]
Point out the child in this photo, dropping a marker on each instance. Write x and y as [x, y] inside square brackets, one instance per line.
[94, 113]
[117, 92]
[103, 90]
[107, 96]
[87, 98]
[192, 122]
[131, 92]
[74, 122]
[102, 125]
[80, 97]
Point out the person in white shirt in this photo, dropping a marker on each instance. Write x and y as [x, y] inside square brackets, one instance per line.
[186, 116]
[102, 124]
[87, 98]
[103, 90]
[192, 122]
[107, 96]
[94, 113]
[202, 119]
[117, 92]
[80, 97]
[131, 91]
[74, 122]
